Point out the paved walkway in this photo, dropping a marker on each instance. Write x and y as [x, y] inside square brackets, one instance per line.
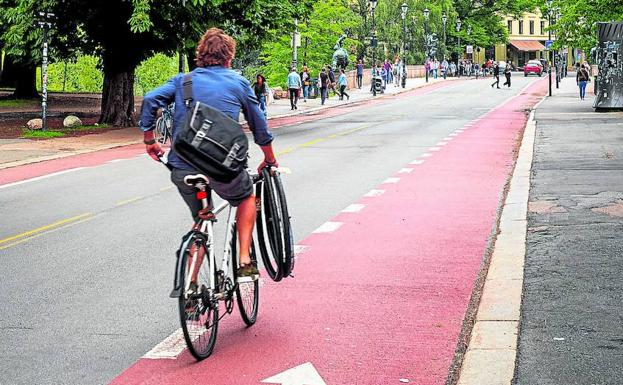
[16, 152]
[572, 320]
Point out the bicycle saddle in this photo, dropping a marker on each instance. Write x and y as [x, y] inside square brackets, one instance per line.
[193, 180]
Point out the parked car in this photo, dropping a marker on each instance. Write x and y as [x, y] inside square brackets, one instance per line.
[533, 67]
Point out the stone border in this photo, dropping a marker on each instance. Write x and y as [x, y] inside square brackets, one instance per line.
[492, 351]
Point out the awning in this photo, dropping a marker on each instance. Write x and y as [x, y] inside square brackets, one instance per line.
[528, 45]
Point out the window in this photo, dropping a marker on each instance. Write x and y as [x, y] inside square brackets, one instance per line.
[521, 27]
[531, 27]
[510, 27]
[542, 27]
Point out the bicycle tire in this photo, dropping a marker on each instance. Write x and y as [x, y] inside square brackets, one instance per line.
[286, 229]
[247, 293]
[203, 318]
[160, 132]
[264, 226]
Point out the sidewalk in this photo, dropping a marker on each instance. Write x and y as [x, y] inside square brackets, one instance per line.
[572, 320]
[16, 152]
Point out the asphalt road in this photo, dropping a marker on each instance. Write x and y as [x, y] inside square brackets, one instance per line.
[572, 319]
[82, 303]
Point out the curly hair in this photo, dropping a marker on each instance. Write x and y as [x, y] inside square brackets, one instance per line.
[215, 48]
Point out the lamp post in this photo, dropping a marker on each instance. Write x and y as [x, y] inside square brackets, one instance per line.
[458, 58]
[45, 23]
[426, 13]
[556, 16]
[403, 81]
[444, 19]
[373, 38]
[549, 37]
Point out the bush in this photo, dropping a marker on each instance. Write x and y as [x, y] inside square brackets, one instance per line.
[155, 71]
[83, 75]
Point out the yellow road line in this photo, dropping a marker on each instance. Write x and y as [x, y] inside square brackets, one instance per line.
[128, 201]
[312, 142]
[46, 227]
[51, 230]
[166, 188]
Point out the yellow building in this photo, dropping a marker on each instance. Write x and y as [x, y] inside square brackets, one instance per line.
[526, 41]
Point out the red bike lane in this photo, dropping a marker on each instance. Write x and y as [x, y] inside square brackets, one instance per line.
[381, 291]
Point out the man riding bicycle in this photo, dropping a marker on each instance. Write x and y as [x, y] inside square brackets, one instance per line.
[215, 84]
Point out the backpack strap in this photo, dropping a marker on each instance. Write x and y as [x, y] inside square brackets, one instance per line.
[187, 85]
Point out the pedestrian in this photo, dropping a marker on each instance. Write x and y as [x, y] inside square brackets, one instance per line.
[324, 85]
[261, 92]
[306, 79]
[331, 82]
[397, 70]
[435, 68]
[359, 73]
[427, 66]
[215, 84]
[342, 82]
[581, 78]
[444, 67]
[507, 74]
[294, 86]
[496, 75]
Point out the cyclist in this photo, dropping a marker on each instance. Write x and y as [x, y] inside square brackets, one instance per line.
[216, 85]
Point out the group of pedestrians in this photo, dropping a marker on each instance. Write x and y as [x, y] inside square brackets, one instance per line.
[327, 81]
[496, 75]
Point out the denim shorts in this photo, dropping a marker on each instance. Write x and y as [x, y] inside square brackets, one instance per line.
[234, 192]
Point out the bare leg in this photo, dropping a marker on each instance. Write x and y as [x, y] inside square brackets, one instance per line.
[245, 219]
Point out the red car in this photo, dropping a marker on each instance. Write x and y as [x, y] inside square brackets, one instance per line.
[533, 67]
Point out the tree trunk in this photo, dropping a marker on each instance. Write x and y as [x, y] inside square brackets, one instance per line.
[118, 99]
[21, 77]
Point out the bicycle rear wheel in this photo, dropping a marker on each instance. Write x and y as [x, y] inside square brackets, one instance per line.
[247, 293]
[160, 132]
[198, 313]
[265, 233]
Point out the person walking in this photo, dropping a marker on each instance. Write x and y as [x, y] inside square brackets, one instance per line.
[397, 71]
[294, 86]
[444, 68]
[324, 85]
[342, 82]
[306, 79]
[507, 74]
[359, 73]
[496, 75]
[331, 82]
[261, 92]
[582, 77]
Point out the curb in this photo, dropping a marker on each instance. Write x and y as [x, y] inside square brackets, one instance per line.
[492, 351]
[123, 144]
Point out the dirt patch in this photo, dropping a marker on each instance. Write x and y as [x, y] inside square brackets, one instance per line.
[614, 210]
[545, 207]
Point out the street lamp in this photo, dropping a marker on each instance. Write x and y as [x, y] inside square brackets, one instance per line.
[404, 8]
[549, 33]
[426, 13]
[45, 22]
[444, 19]
[458, 59]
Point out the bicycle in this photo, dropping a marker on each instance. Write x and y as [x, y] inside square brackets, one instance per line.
[164, 125]
[200, 285]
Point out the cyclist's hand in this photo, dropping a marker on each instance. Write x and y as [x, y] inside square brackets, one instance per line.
[265, 163]
[154, 150]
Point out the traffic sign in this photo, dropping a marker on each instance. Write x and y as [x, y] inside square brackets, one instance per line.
[548, 44]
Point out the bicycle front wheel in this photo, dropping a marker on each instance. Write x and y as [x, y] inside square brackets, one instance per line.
[198, 313]
[287, 240]
[265, 232]
[160, 132]
[247, 292]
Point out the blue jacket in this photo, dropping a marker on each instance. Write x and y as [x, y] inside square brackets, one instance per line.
[218, 87]
[294, 80]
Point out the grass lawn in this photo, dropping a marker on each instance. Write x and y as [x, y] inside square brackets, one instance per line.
[17, 103]
[60, 132]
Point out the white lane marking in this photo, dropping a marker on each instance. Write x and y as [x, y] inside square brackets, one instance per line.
[328, 227]
[300, 249]
[417, 161]
[374, 193]
[426, 155]
[447, 139]
[305, 374]
[41, 177]
[453, 134]
[441, 144]
[354, 208]
[434, 149]
[405, 170]
[391, 180]
[116, 160]
[170, 348]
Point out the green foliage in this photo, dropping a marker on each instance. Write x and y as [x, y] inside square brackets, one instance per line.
[83, 75]
[40, 134]
[17, 103]
[577, 25]
[326, 22]
[154, 71]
